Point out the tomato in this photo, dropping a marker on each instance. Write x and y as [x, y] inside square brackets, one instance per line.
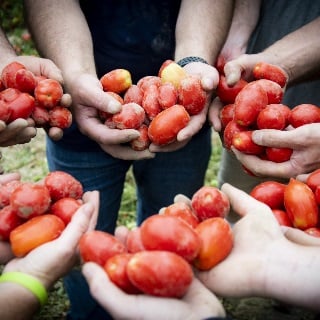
[25, 81]
[160, 273]
[229, 131]
[304, 114]
[315, 232]
[282, 217]
[271, 118]
[226, 114]
[217, 242]
[168, 95]
[21, 107]
[270, 192]
[226, 93]
[117, 80]
[210, 202]
[48, 93]
[273, 90]
[30, 200]
[60, 117]
[116, 268]
[35, 232]
[9, 220]
[182, 211]
[8, 74]
[264, 70]
[317, 194]
[301, 205]
[164, 128]
[243, 142]
[220, 63]
[131, 116]
[134, 241]
[171, 72]
[150, 102]
[278, 154]
[313, 179]
[133, 94]
[191, 95]
[142, 142]
[63, 185]
[148, 81]
[6, 190]
[164, 232]
[65, 208]
[248, 103]
[98, 246]
[40, 116]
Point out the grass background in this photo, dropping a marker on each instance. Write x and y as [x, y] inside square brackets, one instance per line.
[30, 160]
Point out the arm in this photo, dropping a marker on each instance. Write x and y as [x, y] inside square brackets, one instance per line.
[17, 302]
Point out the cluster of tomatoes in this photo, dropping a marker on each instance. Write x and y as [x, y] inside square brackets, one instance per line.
[34, 213]
[25, 95]
[157, 106]
[157, 257]
[257, 105]
[295, 204]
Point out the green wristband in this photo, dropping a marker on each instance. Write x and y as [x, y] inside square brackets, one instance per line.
[29, 282]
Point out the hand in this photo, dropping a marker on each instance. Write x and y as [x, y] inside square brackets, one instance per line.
[52, 260]
[305, 158]
[209, 80]
[198, 303]
[88, 98]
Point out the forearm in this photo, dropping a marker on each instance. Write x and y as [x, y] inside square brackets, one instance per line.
[293, 276]
[17, 302]
[7, 51]
[61, 34]
[202, 27]
[298, 53]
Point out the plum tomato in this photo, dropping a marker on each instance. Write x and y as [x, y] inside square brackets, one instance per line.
[278, 154]
[229, 131]
[9, 220]
[243, 142]
[305, 113]
[117, 80]
[133, 241]
[226, 93]
[131, 116]
[65, 208]
[313, 179]
[48, 93]
[264, 70]
[282, 217]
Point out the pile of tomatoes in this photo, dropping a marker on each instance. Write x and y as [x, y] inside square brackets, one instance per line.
[157, 257]
[34, 213]
[295, 204]
[256, 105]
[157, 106]
[25, 95]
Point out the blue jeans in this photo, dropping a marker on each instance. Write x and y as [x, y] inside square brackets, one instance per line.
[158, 180]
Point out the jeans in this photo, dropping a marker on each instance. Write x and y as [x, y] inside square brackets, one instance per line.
[158, 180]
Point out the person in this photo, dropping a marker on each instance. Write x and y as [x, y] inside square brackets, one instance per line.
[94, 37]
[283, 31]
[23, 130]
[262, 263]
[44, 265]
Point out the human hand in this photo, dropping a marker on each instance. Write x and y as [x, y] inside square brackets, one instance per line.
[209, 80]
[88, 98]
[305, 158]
[52, 260]
[198, 302]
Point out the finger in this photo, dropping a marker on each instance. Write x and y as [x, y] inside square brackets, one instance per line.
[66, 100]
[2, 125]
[94, 198]
[302, 177]
[4, 178]
[173, 146]
[300, 237]
[182, 198]
[233, 71]
[55, 133]
[121, 233]
[214, 114]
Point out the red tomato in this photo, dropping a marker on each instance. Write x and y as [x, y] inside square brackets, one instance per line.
[248, 103]
[60, 117]
[264, 70]
[35, 232]
[270, 192]
[209, 202]
[9, 220]
[191, 95]
[150, 101]
[5, 191]
[315, 232]
[40, 116]
[172, 72]
[148, 81]
[63, 185]
[168, 95]
[116, 268]
[220, 63]
[163, 129]
[133, 242]
[131, 116]
[282, 217]
[278, 154]
[65, 208]
[273, 90]
[48, 93]
[301, 205]
[228, 94]
[317, 194]
[21, 107]
[98, 246]
[133, 94]
[142, 142]
[313, 180]
[217, 242]
[271, 118]
[229, 131]
[304, 114]
[182, 211]
[226, 114]
[117, 80]
[8, 74]
[243, 142]
[164, 232]
[30, 200]
[160, 273]
[25, 81]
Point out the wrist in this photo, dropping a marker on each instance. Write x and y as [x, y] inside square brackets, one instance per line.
[184, 61]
